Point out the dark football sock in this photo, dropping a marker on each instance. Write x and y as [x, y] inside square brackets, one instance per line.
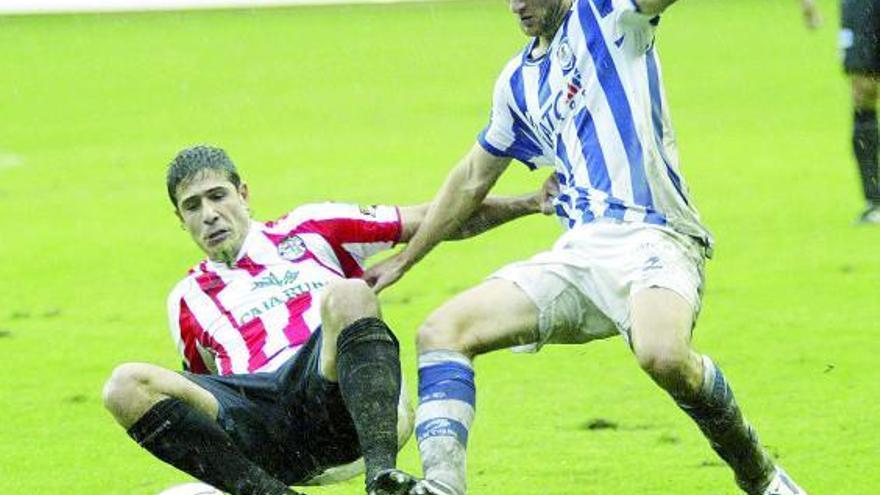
[864, 141]
[368, 364]
[194, 443]
[719, 417]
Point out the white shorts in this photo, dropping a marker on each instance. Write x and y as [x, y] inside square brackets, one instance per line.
[582, 287]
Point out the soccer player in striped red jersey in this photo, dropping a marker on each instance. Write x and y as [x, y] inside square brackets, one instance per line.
[291, 374]
[253, 314]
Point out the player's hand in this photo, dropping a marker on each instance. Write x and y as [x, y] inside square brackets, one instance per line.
[549, 191]
[812, 17]
[385, 272]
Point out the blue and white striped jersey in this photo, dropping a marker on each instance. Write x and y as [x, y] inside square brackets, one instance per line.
[593, 107]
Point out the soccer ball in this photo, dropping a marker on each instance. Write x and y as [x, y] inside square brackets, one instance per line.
[191, 489]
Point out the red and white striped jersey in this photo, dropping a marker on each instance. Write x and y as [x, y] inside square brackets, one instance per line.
[253, 316]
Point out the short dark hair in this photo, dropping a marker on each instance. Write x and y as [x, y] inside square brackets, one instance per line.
[193, 160]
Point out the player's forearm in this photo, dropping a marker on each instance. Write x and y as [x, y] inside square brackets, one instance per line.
[458, 199]
[495, 211]
[653, 7]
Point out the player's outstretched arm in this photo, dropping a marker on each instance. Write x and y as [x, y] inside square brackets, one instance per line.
[460, 196]
[493, 212]
[653, 7]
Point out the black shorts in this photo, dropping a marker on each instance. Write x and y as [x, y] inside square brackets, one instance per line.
[860, 36]
[292, 422]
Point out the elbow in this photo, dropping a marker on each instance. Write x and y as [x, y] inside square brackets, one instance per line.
[475, 192]
[478, 172]
[476, 181]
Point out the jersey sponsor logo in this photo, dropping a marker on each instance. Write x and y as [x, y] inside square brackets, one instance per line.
[286, 295]
[558, 109]
[292, 248]
[572, 89]
[273, 280]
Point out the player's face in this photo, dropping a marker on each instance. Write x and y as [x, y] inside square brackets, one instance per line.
[539, 17]
[215, 213]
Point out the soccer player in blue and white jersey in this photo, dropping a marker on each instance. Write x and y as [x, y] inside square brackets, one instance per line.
[586, 97]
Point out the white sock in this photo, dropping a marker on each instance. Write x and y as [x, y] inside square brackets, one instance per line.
[447, 404]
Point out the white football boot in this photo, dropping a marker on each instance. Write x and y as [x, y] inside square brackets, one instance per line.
[871, 215]
[432, 487]
[782, 484]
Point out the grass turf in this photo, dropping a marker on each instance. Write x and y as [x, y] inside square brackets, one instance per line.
[313, 103]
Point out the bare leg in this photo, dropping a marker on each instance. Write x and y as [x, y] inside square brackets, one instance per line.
[661, 340]
[494, 315]
[175, 420]
[661, 331]
[134, 388]
[360, 352]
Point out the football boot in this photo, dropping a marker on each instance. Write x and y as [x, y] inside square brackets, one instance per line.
[432, 487]
[391, 482]
[782, 484]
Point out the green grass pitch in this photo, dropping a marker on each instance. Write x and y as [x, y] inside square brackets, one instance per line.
[316, 103]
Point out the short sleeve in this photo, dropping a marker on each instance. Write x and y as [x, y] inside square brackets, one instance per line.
[637, 28]
[507, 134]
[358, 231]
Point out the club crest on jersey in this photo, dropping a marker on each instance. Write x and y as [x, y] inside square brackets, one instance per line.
[292, 248]
[565, 55]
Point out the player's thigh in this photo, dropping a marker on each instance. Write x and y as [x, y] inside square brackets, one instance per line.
[133, 388]
[342, 303]
[662, 324]
[345, 301]
[493, 315]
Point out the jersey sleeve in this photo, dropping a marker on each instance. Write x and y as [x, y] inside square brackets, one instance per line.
[354, 232]
[187, 334]
[507, 134]
[636, 29]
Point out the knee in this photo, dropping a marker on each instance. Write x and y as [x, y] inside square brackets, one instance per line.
[443, 331]
[346, 301]
[127, 382]
[864, 93]
[672, 367]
